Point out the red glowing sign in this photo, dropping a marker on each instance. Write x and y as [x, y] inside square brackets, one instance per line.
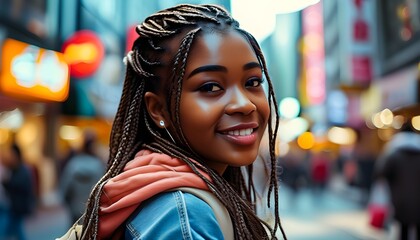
[83, 52]
[132, 35]
[314, 56]
[361, 69]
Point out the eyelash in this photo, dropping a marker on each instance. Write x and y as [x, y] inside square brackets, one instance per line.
[209, 87]
[253, 80]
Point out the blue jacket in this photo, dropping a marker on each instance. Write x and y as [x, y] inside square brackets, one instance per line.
[78, 178]
[173, 215]
[20, 190]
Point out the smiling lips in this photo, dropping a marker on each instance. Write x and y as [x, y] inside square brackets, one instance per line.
[241, 132]
[245, 136]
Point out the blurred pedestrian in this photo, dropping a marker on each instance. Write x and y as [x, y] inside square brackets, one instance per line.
[400, 167]
[71, 152]
[19, 188]
[293, 172]
[4, 201]
[320, 171]
[81, 172]
[364, 157]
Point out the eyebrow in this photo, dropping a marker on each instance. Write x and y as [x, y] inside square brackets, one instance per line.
[219, 68]
[208, 68]
[251, 65]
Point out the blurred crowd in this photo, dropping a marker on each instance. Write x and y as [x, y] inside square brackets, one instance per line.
[386, 182]
[77, 173]
[17, 193]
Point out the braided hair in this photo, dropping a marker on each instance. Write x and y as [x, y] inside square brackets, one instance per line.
[134, 129]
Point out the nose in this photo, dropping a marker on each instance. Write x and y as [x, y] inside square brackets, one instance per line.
[239, 102]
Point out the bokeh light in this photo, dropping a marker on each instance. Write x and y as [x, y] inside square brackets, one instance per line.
[398, 121]
[342, 135]
[306, 140]
[386, 116]
[415, 122]
[289, 107]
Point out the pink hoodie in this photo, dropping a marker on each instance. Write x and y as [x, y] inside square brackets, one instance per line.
[148, 174]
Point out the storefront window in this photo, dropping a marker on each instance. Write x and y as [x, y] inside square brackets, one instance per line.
[27, 14]
[401, 31]
[109, 15]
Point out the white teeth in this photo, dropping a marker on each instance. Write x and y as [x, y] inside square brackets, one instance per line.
[242, 132]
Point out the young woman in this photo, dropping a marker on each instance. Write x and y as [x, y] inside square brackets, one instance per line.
[192, 113]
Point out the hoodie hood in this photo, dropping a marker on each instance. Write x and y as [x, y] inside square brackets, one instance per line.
[401, 140]
[148, 174]
[406, 140]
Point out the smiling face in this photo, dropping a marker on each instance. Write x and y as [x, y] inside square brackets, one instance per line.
[223, 109]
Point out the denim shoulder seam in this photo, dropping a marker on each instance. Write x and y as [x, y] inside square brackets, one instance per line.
[134, 233]
[183, 215]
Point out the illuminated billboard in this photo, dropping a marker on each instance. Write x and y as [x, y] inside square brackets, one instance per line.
[84, 52]
[31, 72]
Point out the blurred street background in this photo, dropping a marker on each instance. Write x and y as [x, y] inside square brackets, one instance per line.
[345, 73]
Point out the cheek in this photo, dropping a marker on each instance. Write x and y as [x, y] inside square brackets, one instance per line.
[200, 105]
[197, 114]
[196, 126]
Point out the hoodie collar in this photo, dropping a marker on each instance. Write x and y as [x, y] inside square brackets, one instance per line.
[406, 140]
[148, 174]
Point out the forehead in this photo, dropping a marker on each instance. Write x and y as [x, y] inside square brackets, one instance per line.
[220, 48]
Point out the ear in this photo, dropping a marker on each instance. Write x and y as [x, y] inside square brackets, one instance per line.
[155, 105]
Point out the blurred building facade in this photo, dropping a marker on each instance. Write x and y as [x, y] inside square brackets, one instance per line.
[353, 66]
[33, 80]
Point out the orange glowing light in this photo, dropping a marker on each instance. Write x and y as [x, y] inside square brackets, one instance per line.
[32, 72]
[306, 140]
[78, 53]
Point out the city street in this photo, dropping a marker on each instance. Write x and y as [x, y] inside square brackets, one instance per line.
[48, 223]
[325, 216]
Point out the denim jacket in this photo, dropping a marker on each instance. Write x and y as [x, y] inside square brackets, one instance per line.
[173, 215]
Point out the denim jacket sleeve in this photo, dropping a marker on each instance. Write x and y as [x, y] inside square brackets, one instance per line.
[173, 215]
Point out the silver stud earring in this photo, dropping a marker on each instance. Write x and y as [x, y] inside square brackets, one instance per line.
[162, 124]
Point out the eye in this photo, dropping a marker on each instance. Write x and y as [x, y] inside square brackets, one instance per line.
[254, 82]
[210, 87]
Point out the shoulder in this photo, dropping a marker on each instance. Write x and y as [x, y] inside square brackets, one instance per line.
[82, 157]
[173, 215]
[84, 161]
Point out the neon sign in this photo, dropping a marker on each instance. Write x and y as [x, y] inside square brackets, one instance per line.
[83, 52]
[32, 72]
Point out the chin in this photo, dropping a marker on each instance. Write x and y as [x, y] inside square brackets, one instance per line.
[245, 160]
